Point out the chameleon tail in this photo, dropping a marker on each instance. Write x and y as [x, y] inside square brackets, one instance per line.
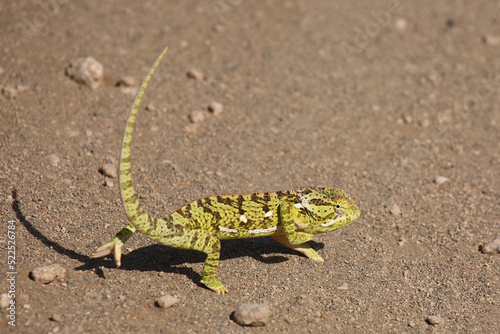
[136, 215]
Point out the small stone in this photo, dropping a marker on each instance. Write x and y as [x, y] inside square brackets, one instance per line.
[457, 149]
[126, 81]
[253, 315]
[109, 170]
[184, 44]
[215, 108]
[56, 317]
[22, 88]
[48, 274]
[439, 180]
[195, 74]
[130, 91]
[412, 324]
[167, 301]
[109, 183]
[344, 286]
[492, 40]
[407, 119]
[434, 320]
[54, 159]
[424, 123]
[400, 24]
[87, 71]
[190, 128]
[150, 107]
[492, 247]
[2, 71]
[394, 209]
[196, 116]
[9, 92]
[4, 301]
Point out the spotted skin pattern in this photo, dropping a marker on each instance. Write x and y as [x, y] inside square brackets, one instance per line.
[290, 217]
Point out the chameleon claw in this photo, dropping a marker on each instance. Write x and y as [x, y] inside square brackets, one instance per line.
[219, 288]
[113, 247]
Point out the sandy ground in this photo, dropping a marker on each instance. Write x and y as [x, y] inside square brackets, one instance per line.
[378, 98]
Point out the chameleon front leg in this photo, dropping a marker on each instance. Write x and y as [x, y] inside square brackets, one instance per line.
[115, 245]
[203, 242]
[288, 215]
[301, 248]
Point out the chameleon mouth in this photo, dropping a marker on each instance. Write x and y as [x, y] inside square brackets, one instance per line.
[333, 221]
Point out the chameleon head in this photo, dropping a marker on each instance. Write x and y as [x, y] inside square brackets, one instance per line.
[328, 208]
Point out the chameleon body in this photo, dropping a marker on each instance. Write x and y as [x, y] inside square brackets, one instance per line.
[290, 217]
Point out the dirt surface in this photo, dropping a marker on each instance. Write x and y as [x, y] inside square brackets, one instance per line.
[378, 98]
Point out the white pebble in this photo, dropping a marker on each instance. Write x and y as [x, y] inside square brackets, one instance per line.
[254, 315]
[492, 40]
[54, 159]
[195, 74]
[109, 170]
[491, 247]
[167, 301]
[129, 91]
[434, 320]
[9, 92]
[439, 180]
[394, 209]
[400, 24]
[56, 317]
[4, 301]
[126, 81]
[216, 108]
[86, 71]
[48, 274]
[196, 116]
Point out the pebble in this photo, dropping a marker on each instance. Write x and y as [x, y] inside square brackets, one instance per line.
[87, 71]
[215, 108]
[48, 274]
[434, 320]
[54, 159]
[196, 116]
[439, 180]
[253, 315]
[344, 286]
[126, 81]
[109, 170]
[2, 71]
[190, 128]
[4, 301]
[400, 24]
[394, 209]
[195, 74]
[150, 107]
[56, 317]
[424, 123]
[492, 247]
[130, 91]
[167, 301]
[412, 324]
[492, 40]
[9, 92]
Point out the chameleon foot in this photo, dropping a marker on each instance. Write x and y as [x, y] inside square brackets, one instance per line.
[215, 285]
[114, 246]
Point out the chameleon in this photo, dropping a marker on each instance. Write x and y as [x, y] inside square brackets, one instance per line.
[290, 217]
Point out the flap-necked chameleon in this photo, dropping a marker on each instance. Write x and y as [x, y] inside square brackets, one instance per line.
[290, 217]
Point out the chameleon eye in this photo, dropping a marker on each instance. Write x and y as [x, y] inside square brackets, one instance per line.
[340, 209]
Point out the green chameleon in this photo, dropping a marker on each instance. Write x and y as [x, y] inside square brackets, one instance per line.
[290, 217]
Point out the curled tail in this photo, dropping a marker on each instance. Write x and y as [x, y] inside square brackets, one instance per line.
[135, 213]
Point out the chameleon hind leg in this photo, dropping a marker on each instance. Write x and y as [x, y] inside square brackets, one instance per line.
[203, 242]
[301, 248]
[115, 245]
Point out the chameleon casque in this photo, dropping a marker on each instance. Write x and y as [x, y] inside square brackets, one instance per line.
[290, 217]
